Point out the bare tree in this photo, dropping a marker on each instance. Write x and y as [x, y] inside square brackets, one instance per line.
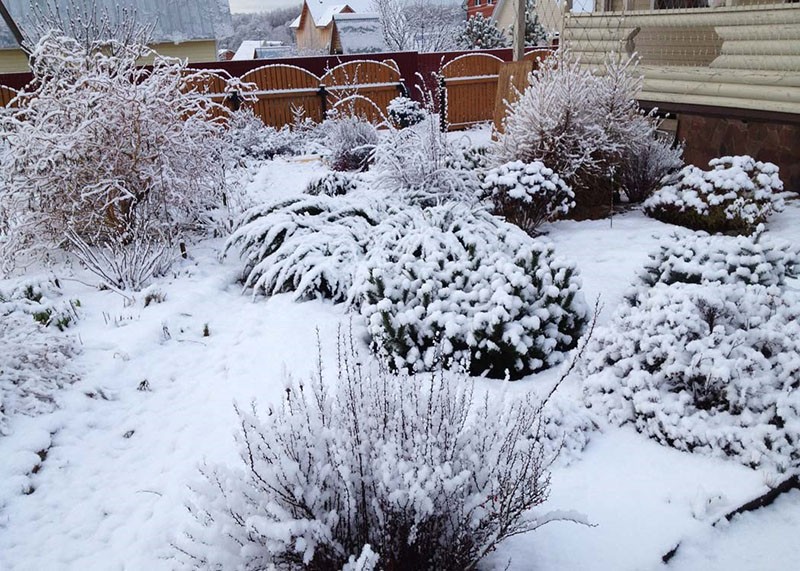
[420, 25]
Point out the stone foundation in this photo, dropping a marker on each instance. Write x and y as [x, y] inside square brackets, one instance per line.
[710, 137]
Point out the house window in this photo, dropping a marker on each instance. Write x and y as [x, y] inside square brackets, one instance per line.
[477, 2]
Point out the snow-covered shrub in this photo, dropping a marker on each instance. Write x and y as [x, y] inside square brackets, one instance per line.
[350, 140]
[105, 150]
[578, 123]
[247, 137]
[421, 166]
[527, 194]
[480, 33]
[449, 285]
[401, 472]
[405, 112]
[713, 368]
[307, 245]
[332, 184]
[35, 357]
[736, 195]
[643, 168]
[701, 258]
[467, 157]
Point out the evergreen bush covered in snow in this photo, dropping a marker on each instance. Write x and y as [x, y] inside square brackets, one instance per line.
[480, 33]
[307, 245]
[527, 194]
[580, 124]
[449, 285]
[736, 195]
[405, 112]
[701, 258]
[399, 472]
[712, 368]
[103, 150]
[35, 356]
[332, 184]
[419, 165]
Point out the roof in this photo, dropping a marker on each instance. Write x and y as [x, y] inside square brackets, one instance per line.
[323, 11]
[174, 21]
[360, 33]
[260, 49]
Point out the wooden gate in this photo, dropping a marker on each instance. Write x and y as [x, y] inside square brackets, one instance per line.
[282, 89]
[6, 95]
[470, 83]
[364, 88]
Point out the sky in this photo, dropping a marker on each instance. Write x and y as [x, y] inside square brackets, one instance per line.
[261, 5]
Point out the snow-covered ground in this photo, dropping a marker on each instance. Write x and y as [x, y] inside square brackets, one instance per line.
[102, 483]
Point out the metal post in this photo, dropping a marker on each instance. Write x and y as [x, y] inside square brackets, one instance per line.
[519, 31]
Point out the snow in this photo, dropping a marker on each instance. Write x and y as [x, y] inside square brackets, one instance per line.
[112, 488]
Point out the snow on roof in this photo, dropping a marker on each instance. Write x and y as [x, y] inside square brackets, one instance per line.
[323, 11]
[360, 33]
[173, 20]
[261, 49]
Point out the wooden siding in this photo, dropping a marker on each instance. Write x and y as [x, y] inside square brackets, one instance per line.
[745, 57]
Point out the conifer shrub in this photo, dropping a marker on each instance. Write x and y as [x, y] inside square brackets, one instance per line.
[332, 184]
[527, 194]
[711, 368]
[307, 245]
[373, 470]
[736, 195]
[405, 112]
[449, 285]
[696, 258]
[704, 354]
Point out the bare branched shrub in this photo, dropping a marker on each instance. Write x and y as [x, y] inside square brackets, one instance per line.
[102, 150]
[579, 123]
[404, 472]
[643, 169]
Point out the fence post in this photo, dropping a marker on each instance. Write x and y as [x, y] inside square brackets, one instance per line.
[323, 94]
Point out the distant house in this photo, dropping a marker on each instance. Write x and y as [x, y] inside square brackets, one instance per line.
[181, 28]
[314, 27]
[483, 7]
[357, 34]
[260, 49]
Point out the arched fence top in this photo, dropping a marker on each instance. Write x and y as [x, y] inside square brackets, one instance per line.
[361, 72]
[283, 75]
[7, 94]
[477, 65]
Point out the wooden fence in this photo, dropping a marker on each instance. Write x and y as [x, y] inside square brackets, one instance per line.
[468, 83]
[6, 95]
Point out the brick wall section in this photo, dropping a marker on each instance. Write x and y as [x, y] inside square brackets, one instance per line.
[710, 137]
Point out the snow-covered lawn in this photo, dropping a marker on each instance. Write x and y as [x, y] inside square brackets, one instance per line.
[102, 483]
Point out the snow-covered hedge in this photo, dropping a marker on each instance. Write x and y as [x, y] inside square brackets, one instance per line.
[421, 166]
[449, 285]
[700, 258]
[308, 245]
[712, 368]
[35, 356]
[736, 195]
[333, 183]
[527, 194]
[404, 472]
[405, 112]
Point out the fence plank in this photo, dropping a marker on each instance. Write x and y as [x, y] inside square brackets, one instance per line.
[471, 84]
[6, 95]
[280, 89]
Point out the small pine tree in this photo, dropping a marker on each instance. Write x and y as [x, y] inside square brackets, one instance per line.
[535, 33]
[480, 33]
